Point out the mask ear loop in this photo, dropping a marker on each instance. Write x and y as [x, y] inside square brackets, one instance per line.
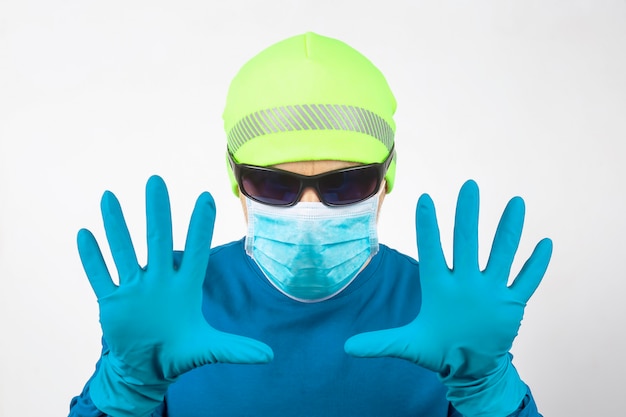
[373, 227]
[249, 240]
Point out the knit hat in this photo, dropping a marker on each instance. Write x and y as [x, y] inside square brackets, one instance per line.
[309, 97]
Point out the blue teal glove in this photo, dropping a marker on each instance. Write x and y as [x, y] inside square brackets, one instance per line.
[152, 321]
[469, 317]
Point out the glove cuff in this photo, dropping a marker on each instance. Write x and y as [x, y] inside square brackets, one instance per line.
[498, 394]
[118, 394]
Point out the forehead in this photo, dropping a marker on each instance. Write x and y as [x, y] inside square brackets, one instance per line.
[314, 167]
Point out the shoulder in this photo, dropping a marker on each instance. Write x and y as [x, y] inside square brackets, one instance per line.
[397, 272]
[228, 256]
[391, 258]
[388, 291]
[230, 259]
[228, 249]
[222, 253]
[391, 273]
[396, 255]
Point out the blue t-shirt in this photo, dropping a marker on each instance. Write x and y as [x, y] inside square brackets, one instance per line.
[310, 375]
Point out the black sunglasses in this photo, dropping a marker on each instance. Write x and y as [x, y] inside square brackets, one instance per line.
[277, 187]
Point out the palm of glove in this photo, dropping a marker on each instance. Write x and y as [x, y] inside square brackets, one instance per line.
[466, 325]
[152, 321]
[157, 316]
[468, 318]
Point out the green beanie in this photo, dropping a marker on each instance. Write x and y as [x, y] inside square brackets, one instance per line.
[306, 98]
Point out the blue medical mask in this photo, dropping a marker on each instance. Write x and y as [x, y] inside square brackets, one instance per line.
[310, 251]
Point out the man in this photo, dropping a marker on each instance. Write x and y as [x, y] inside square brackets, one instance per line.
[308, 315]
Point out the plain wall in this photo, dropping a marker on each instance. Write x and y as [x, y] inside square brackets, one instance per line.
[526, 97]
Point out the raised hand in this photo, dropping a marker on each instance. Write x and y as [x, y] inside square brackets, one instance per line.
[152, 321]
[468, 318]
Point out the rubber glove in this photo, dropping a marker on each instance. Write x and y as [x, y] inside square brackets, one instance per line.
[152, 321]
[468, 318]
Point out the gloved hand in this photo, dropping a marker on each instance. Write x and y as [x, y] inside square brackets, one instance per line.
[468, 318]
[152, 321]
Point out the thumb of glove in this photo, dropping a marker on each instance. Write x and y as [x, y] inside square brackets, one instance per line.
[397, 343]
[231, 348]
[214, 346]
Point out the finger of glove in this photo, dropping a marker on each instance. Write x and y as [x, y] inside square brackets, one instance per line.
[465, 246]
[159, 225]
[383, 343]
[118, 237]
[94, 264]
[428, 238]
[506, 240]
[533, 271]
[199, 236]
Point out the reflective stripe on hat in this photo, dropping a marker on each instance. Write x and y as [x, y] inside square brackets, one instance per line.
[310, 117]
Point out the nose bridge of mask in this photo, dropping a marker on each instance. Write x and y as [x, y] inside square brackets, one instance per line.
[314, 222]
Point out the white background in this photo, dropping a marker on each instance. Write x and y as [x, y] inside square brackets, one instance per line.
[526, 97]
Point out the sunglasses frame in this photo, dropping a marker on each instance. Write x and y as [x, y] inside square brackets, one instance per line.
[310, 181]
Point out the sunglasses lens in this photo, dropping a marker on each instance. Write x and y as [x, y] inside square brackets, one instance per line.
[338, 188]
[349, 186]
[270, 187]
